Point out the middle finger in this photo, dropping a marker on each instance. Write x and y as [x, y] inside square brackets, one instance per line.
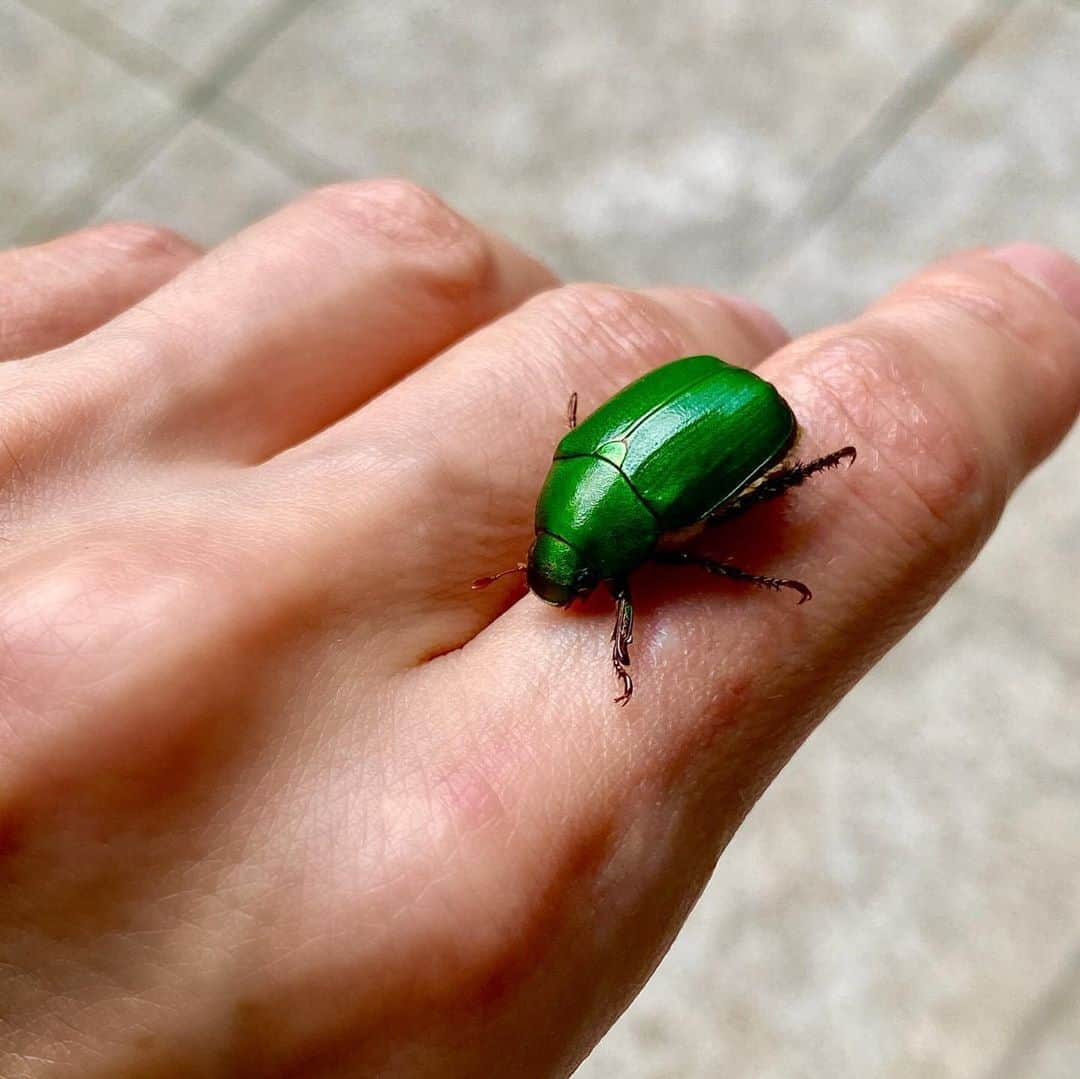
[463, 443]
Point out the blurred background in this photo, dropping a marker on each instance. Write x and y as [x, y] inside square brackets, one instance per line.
[905, 901]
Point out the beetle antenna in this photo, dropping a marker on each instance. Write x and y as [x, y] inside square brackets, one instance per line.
[483, 582]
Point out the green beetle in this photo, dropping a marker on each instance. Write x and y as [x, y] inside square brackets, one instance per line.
[688, 445]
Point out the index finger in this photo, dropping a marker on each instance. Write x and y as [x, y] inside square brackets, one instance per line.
[952, 388]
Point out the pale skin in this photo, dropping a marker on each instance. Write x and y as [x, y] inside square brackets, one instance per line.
[279, 793]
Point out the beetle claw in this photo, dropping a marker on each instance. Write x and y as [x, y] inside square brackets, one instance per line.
[797, 586]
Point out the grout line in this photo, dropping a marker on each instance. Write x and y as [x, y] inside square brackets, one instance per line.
[100, 34]
[894, 118]
[192, 97]
[243, 48]
[151, 65]
[270, 142]
[1062, 992]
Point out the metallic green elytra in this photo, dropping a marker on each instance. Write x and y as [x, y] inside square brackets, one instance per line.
[660, 455]
[690, 444]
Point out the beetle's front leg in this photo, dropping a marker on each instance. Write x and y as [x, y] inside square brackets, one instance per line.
[776, 484]
[725, 569]
[622, 635]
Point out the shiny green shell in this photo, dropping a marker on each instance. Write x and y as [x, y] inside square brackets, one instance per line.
[660, 455]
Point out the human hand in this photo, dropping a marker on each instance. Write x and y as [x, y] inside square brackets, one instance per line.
[281, 795]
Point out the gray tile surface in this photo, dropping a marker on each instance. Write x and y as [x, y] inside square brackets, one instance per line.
[192, 32]
[617, 144]
[1049, 1046]
[994, 159]
[65, 112]
[190, 91]
[904, 901]
[204, 184]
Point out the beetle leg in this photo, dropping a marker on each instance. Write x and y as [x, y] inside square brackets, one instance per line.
[622, 636]
[776, 484]
[725, 569]
[571, 411]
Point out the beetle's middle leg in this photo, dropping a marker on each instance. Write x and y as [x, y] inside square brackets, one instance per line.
[778, 483]
[725, 569]
[622, 636]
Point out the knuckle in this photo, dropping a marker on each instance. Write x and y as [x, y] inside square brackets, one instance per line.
[885, 392]
[989, 295]
[111, 599]
[404, 210]
[84, 623]
[607, 320]
[455, 256]
[141, 240]
[60, 616]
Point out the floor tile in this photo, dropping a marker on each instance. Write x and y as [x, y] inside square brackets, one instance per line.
[993, 160]
[65, 112]
[192, 32]
[1051, 1047]
[1030, 567]
[204, 184]
[615, 143]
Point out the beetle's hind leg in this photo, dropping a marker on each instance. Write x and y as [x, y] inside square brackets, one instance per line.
[622, 636]
[725, 569]
[777, 483]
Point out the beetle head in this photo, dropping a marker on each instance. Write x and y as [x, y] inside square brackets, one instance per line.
[557, 572]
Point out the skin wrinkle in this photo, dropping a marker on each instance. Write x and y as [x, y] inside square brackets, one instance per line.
[939, 537]
[455, 261]
[400, 211]
[622, 323]
[958, 292]
[449, 995]
[1012, 318]
[761, 333]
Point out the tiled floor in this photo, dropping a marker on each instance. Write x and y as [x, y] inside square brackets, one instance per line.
[905, 901]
